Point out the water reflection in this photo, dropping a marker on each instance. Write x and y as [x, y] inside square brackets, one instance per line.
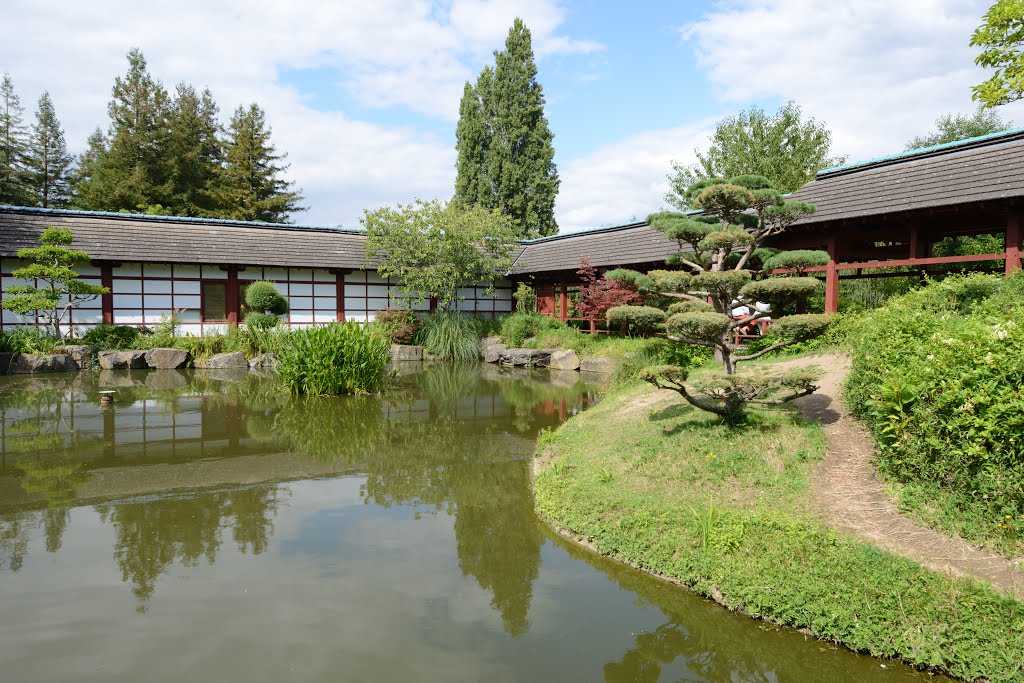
[163, 465]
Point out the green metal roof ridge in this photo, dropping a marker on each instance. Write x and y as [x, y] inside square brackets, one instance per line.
[922, 152]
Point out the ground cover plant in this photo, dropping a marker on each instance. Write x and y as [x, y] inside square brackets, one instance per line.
[725, 510]
[938, 377]
[341, 358]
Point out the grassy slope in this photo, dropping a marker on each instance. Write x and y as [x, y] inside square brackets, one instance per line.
[635, 474]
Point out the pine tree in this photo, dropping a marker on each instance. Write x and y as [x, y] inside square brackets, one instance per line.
[48, 163]
[132, 174]
[252, 187]
[504, 144]
[13, 147]
[85, 191]
[194, 154]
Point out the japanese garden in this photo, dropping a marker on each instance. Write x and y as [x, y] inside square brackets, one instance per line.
[772, 430]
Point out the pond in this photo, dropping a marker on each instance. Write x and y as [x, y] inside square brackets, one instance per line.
[205, 527]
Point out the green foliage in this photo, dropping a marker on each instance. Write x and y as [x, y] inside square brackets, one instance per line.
[27, 340]
[726, 239]
[195, 154]
[779, 291]
[638, 319]
[505, 152]
[800, 327]
[450, 335]
[1002, 38]
[671, 280]
[700, 326]
[756, 549]
[265, 305]
[632, 278]
[687, 306]
[252, 187]
[341, 358]
[435, 249]
[14, 145]
[782, 148]
[112, 337]
[398, 325]
[937, 375]
[57, 288]
[526, 298]
[47, 162]
[724, 200]
[724, 285]
[950, 128]
[798, 259]
[518, 327]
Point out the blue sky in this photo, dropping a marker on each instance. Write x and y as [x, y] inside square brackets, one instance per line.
[364, 98]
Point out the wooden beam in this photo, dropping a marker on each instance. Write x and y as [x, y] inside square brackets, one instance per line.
[931, 260]
[107, 300]
[832, 277]
[339, 294]
[1013, 241]
[563, 300]
[232, 296]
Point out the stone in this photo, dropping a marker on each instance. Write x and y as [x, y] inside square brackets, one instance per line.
[219, 361]
[121, 380]
[525, 357]
[597, 365]
[564, 378]
[488, 342]
[228, 375]
[401, 353]
[563, 359]
[32, 363]
[80, 353]
[493, 353]
[122, 360]
[264, 361]
[166, 379]
[168, 359]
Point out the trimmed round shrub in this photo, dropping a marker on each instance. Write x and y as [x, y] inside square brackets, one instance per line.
[687, 306]
[779, 291]
[801, 327]
[261, 321]
[725, 284]
[625, 276]
[671, 280]
[677, 226]
[726, 239]
[262, 296]
[798, 260]
[705, 326]
[640, 319]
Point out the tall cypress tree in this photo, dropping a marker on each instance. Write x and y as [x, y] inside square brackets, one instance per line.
[133, 173]
[13, 147]
[194, 154]
[48, 163]
[504, 144]
[252, 187]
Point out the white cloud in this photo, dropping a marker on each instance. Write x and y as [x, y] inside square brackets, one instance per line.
[410, 53]
[877, 72]
[624, 179]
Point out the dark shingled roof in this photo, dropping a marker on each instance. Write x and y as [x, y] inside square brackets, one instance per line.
[619, 245]
[979, 169]
[134, 237]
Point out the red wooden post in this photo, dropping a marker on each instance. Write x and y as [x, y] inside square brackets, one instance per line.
[563, 300]
[232, 297]
[1013, 242]
[339, 294]
[107, 300]
[832, 278]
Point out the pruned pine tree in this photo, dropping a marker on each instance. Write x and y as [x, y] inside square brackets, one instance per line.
[132, 173]
[194, 154]
[13, 147]
[252, 186]
[48, 164]
[717, 250]
[504, 144]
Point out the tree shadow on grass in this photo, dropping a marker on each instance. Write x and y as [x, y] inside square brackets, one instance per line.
[681, 410]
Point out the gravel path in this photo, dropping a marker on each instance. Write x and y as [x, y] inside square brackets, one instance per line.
[850, 496]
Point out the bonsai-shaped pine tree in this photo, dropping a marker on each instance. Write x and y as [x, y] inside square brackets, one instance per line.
[265, 305]
[717, 249]
[57, 288]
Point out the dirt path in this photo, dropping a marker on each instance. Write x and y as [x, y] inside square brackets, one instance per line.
[851, 498]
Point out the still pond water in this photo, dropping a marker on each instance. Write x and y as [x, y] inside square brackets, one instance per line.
[205, 528]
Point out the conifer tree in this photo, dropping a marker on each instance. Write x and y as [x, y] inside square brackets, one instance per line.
[504, 144]
[48, 163]
[132, 174]
[13, 146]
[252, 187]
[194, 154]
[85, 193]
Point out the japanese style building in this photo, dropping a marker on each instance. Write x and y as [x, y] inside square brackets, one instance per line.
[881, 213]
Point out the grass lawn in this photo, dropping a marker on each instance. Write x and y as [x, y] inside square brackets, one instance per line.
[725, 510]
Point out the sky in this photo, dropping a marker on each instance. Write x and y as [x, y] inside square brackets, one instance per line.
[364, 97]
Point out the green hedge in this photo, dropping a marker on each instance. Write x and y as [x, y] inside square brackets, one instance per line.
[938, 376]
